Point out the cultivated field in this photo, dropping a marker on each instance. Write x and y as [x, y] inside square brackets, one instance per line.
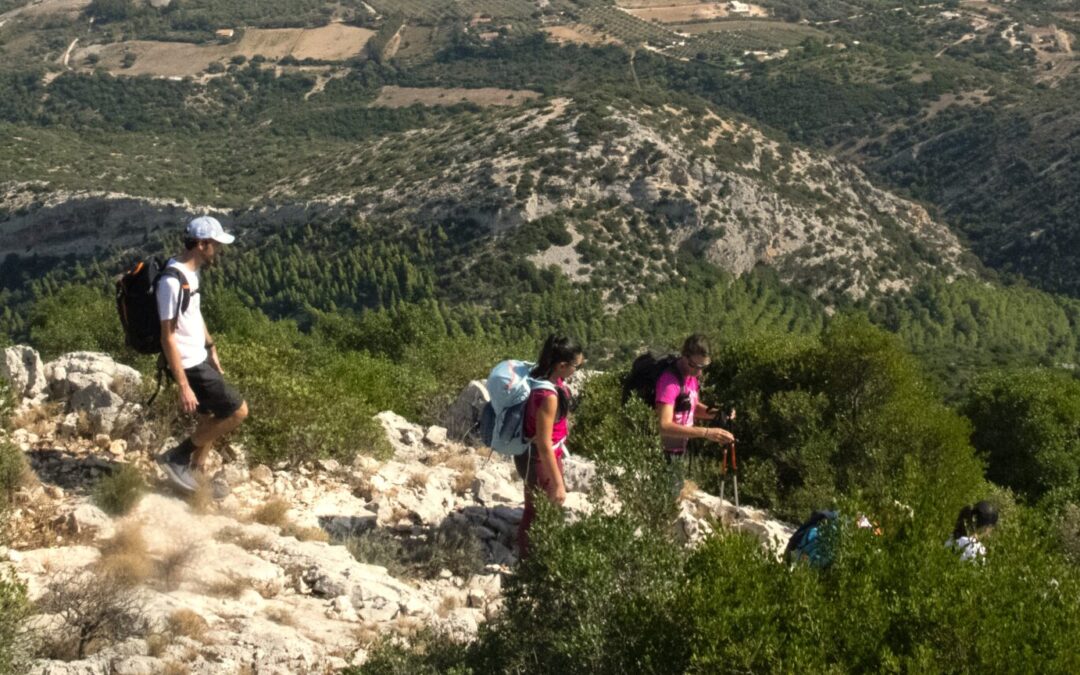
[47, 7]
[580, 34]
[401, 97]
[334, 42]
[681, 13]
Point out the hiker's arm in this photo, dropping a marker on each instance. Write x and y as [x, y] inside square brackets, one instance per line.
[665, 415]
[545, 421]
[707, 413]
[188, 402]
[211, 348]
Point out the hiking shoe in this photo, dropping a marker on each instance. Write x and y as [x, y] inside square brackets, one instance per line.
[219, 488]
[179, 473]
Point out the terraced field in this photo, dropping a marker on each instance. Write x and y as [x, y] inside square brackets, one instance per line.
[434, 11]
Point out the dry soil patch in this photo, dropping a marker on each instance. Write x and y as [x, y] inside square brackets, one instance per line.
[580, 34]
[400, 97]
[682, 13]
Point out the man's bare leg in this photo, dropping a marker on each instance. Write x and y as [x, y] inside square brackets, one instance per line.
[209, 429]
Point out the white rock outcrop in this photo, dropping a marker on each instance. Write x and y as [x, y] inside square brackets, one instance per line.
[22, 368]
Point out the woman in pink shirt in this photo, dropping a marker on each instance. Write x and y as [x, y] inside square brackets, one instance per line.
[545, 423]
[678, 404]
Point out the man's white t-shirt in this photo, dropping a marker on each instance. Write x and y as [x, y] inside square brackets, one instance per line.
[190, 328]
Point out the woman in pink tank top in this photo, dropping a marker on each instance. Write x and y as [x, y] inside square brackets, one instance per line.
[545, 423]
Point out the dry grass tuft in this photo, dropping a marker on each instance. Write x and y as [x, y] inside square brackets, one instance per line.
[366, 634]
[463, 482]
[418, 480]
[362, 487]
[232, 586]
[125, 557]
[187, 623]
[38, 419]
[234, 534]
[688, 489]
[172, 564]
[447, 604]
[305, 533]
[280, 615]
[202, 500]
[156, 644]
[175, 668]
[273, 512]
[461, 462]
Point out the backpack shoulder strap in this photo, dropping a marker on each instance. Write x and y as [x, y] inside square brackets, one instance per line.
[185, 288]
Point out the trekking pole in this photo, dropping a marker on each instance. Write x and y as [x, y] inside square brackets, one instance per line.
[734, 474]
[723, 472]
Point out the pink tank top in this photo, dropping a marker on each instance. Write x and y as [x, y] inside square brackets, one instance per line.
[558, 430]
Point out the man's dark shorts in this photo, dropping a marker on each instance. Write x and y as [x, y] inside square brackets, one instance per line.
[216, 397]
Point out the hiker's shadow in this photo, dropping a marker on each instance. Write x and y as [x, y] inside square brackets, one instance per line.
[76, 472]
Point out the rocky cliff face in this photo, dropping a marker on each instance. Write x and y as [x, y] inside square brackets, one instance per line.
[297, 570]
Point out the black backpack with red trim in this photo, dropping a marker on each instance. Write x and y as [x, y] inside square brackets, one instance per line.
[644, 373]
[136, 302]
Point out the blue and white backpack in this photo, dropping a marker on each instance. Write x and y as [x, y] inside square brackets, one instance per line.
[502, 421]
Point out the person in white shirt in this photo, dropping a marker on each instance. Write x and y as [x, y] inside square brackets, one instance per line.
[973, 524]
[192, 356]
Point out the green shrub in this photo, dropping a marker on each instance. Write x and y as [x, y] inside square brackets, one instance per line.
[13, 469]
[76, 317]
[118, 492]
[378, 547]
[14, 608]
[7, 403]
[302, 406]
[1027, 426]
[845, 414]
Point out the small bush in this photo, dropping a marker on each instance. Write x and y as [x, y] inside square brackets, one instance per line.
[96, 609]
[13, 471]
[14, 608]
[187, 623]
[232, 586]
[305, 533]
[452, 546]
[173, 563]
[239, 536]
[378, 547]
[119, 492]
[274, 512]
[7, 403]
[281, 616]
[125, 557]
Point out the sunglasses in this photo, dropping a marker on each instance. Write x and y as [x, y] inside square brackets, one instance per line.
[697, 366]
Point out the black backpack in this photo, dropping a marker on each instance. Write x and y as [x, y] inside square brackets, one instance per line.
[644, 373]
[136, 302]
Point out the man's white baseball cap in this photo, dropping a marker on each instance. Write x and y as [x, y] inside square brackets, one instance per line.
[208, 227]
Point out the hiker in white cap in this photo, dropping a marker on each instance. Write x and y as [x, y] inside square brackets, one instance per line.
[192, 358]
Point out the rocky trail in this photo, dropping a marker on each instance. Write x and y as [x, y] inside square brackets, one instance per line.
[271, 579]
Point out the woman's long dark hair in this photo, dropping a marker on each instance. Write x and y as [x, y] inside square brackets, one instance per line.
[557, 349]
[973, 517]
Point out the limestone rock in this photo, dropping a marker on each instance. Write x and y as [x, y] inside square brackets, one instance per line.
[436, 436]
[85, 520]
[22, 368]
[463, 415]
[262, 475]
[78, 370]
